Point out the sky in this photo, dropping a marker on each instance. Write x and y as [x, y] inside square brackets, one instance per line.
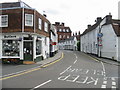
[76, 14]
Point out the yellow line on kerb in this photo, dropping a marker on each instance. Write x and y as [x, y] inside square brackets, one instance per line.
[33, 69]
[54, 61]
[92, 58]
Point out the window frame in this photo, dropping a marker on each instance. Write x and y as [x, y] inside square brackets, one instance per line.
[28, 21]
[46, 26]
[40, 23]
[1, 20]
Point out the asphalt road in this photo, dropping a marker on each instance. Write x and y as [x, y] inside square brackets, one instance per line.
[74, 70]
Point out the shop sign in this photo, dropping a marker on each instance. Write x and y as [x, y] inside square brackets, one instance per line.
[10, 36]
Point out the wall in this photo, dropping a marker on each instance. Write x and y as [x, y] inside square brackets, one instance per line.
[118, 49]
[108, 49]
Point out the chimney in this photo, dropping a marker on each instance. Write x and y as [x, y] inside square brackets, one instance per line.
[98, 19]
[79, 32]
[109, 19]
[76, 33]
[73, 34]
[57, 23]
[44, 15]
[89, 26]
[62, 24]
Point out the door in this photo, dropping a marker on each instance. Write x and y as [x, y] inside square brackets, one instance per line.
[28, 51]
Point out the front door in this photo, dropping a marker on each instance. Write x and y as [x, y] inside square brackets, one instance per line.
[28, 51]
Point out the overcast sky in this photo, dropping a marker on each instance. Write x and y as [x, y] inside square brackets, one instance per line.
[76, 14]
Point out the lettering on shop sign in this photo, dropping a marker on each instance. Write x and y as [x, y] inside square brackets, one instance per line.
[9, 36]
[79, 79]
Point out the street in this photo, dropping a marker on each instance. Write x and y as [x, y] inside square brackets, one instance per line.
[73, 70]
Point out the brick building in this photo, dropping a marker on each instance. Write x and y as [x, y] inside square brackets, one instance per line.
[25, 33]
[62, 31]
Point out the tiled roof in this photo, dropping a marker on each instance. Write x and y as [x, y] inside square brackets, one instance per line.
[116, 26]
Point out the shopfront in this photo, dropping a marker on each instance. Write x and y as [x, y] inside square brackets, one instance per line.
[18, 47]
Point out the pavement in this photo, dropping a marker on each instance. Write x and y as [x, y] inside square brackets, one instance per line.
[50, 59]
[108, 61]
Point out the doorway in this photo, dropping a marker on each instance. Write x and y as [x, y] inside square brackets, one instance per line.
[28, 50]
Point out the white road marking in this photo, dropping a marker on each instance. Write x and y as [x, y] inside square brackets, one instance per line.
[103, 69]
[73, 79]
[103, 86]
[114, 83]
[113, 78]
[105, 82]
[65, 70]
[113, 87]
[93, 81]
[63, 77]
[75, 61]
[41, 84]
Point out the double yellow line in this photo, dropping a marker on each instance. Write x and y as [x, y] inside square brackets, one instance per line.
[4, 78]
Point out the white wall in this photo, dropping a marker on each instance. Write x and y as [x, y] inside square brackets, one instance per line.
[0, 45]
[45, 48]
[109, 42]
[118, 49]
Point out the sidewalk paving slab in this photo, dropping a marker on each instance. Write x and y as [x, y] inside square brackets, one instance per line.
[50, 59]
[105, 60]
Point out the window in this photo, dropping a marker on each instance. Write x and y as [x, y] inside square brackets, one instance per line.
[38, 47]
[40, 23]
[45, 40]
[10, 48]
[28, 20]
[46, 27]
[60, 30]
[67, 30]
[68, 36]
[63, 30]
[60, 36]
[3, 20]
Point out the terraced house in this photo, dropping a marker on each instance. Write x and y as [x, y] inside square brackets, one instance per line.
[102, 38]
[25, 33]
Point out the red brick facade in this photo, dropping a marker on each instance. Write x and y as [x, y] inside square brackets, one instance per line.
[15, 21]
[64, 33]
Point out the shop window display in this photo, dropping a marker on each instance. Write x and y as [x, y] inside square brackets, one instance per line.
[10, 48]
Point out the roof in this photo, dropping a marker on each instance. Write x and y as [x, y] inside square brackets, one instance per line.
[14, 5]
[116, 26]
[68, 39]
[91, 28]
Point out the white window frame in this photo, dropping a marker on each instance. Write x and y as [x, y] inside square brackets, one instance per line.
[29, 20]
[63, 30]
[2, 20]
[60, 36]
[46, 26]
[60, 30]
[40, 23]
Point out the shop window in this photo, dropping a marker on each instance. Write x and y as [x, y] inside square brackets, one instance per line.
[10, 48]
[28, 20]
[38, 47]
[3, 20]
